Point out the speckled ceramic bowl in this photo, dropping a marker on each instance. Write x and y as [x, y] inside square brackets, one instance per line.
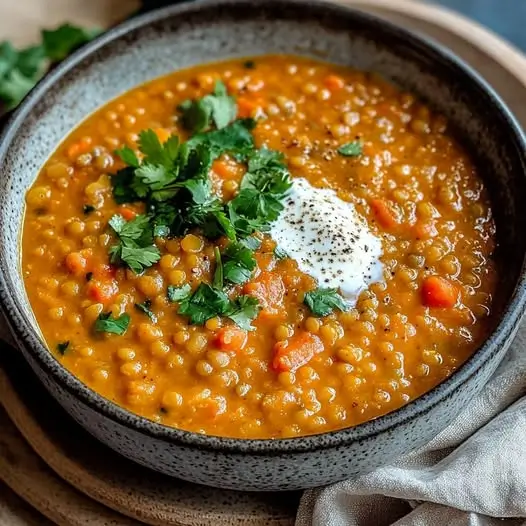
[181, 36]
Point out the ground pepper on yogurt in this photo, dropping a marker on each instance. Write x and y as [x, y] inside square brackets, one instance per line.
[156, 277]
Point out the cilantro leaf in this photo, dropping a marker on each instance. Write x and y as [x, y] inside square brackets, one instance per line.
[235, 138]
[218, 108]
[175, 294]
[156, 153]
[323, 301]
[280, 254]
[145, 309]
[62, 347]
[205, 303]
[135, 247]
[59, 43]
[128, 156]
[351, 149]
[218, 275]
[251, 242]
[107, 323]
[243, 310]
[122, 183]
[240, 262]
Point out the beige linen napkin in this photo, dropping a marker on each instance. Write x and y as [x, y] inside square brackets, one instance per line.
[471, 474]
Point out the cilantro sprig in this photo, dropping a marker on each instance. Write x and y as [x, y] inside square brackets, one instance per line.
[106, 322]
[172, 180]
[21, 69]
[351, 149]
[135, 247]
[218, 108]
[145, 309]
[323, 301]
[207, 302]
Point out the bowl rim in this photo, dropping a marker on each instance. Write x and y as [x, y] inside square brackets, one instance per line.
[22, 328]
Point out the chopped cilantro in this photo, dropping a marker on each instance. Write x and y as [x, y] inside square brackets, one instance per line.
[145, 309]
[176, 294]
[218, 108]
[62, 347]
[280, 254]
[239, 262]
[107, 323]
[87, 209]
[135, 246]
[263, 188]
[351, 149]
[251, 242]
[205, 303]
[323, 301]
[243, 310]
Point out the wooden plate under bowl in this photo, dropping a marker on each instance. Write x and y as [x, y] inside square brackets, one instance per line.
[110, 489]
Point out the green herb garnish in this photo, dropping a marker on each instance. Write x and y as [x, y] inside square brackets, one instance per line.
[107, 323]
[280, 254]
[145, 309]
[87, 209]
[218, 274]
[207, 302]
[238, 263]
[176, 294]
[20, 69]
[243, 310]
[351, 149]
[135, 246]
[218, 108]
[62, 347]
[323, 301]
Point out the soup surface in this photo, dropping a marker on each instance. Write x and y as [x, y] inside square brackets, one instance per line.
[214, 285]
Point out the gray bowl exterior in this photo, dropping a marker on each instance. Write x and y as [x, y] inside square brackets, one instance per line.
[182, 36]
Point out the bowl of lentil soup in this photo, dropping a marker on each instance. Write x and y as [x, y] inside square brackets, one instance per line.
[271, 271]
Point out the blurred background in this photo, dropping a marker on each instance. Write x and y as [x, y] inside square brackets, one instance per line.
[20, 19]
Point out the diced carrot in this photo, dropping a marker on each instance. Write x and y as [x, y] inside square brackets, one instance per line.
[77, 148]
[290, 355]
[232, 338]
[439, 292]
[384, 214]
[246, 107]
[127, 212]
[270, 291]
[76, 263]
[225, 169]
[102, 291]
[104, 272]
[163, 134]
[425, 230]
[334, 82]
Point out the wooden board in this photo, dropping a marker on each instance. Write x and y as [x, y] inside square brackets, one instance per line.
[43, 483]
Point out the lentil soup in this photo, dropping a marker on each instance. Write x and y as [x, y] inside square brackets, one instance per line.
[261, 248]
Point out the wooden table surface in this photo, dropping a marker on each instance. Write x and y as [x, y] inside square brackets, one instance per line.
[21, 20]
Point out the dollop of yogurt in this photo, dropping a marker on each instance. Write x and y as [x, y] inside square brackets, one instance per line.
[329, 239]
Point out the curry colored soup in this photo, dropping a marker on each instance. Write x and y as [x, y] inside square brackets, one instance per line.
[379, 287]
